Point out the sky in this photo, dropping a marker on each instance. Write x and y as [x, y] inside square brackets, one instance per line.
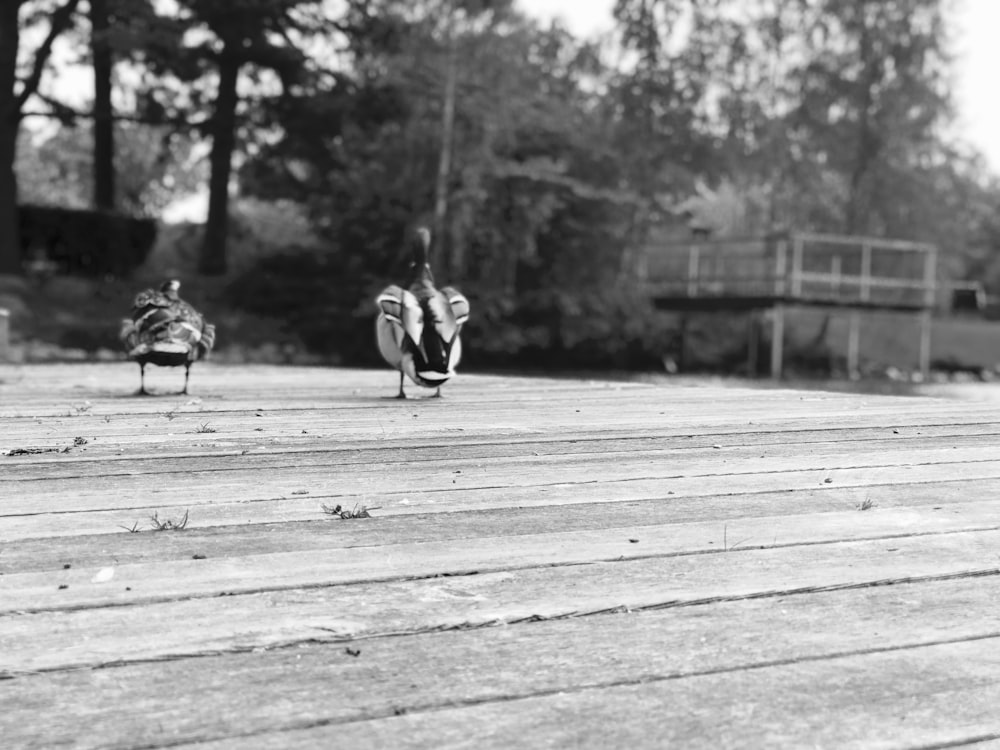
[976, 45]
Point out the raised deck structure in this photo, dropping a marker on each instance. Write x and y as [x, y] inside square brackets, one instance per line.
[857, 273]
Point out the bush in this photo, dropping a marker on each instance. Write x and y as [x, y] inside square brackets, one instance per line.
[317, 297]
[328, 303]
[598, 328]
[87, 243]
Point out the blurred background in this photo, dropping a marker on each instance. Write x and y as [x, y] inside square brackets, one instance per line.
[571, 158]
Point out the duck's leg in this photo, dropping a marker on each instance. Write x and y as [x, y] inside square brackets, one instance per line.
[402, 393]
[437, 393]
[187, 375]
[142, 380]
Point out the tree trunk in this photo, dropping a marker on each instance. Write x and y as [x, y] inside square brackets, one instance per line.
[867, 146]
[104, 149]
[444, 156]
[212, 261]
[10, 241]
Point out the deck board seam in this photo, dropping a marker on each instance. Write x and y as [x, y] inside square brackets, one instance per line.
[428, 511]
[653, 679]
[487, 570]
[337, 638]
[417, 460]
[706, 475]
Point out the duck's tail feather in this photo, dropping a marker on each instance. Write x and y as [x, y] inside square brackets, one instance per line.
[207, 342]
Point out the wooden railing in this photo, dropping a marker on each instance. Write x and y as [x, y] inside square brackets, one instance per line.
[798, 267]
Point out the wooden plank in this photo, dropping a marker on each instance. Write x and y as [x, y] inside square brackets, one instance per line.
[104, 457]
[161, 626]
[442, 490]
[742, 501]
[857, 701]
[312, 565]
[64, 538]
[197, 699]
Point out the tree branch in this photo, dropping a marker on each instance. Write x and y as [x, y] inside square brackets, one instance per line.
[66, 115]
[61, 18]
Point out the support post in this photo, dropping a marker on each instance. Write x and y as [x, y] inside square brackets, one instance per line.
[777, 340]
[682, 344]
[854, 345]
[926, 322]
[4, 334]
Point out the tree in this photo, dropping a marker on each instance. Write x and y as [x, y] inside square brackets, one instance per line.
[874, 100]
[235, 37]
[104, 143]
[15, 91]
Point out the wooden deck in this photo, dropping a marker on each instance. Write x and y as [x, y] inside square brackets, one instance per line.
[547, 563]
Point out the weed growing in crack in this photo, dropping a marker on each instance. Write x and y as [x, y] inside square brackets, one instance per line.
[168, 524]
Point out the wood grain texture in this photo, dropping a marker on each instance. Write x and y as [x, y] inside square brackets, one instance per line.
[580, 562]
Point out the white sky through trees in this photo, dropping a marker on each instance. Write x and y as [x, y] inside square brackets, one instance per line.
[976, 24]
[976, 45]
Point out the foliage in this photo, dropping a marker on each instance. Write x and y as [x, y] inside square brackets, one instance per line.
[315, 296]
[547, 164]
[593, 329]
[154, 166]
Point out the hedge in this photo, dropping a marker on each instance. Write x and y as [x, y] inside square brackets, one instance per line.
[86, 243]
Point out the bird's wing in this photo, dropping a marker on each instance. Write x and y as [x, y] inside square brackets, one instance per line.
[390, 302]
[459, 304]
[441, 316]
[160, 324]
[402, 308]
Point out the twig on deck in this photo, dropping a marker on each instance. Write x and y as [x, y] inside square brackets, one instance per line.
[336, 510]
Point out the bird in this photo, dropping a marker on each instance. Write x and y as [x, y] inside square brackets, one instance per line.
[165, 330]
[418, 328]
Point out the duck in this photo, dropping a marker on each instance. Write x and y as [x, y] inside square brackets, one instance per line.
[418, 327]
[165, 330]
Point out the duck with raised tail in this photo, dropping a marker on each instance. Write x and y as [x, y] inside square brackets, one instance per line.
[418, 327]
[165, 330]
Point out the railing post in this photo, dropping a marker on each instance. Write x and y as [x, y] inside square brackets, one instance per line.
[866, 272]
[780, 267]
[930, 277]
[796, 279]
[694, 261]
